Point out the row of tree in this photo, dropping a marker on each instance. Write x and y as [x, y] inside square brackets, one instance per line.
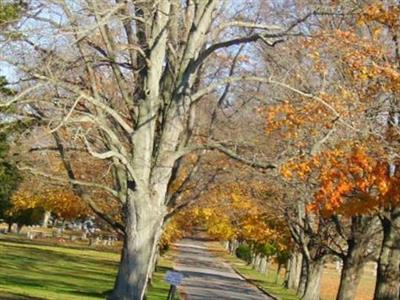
[334, 126]
[142, 108]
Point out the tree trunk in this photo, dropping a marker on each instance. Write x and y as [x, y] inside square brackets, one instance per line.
[277, 273]
[295, 271]
[286, 274]
[142, 234]
[154, 263]
[303, 278]
[19, 228]
[46, 218]
[349, 281]
[388, 272]
[313, 286]
[9, 229]
[351, 272]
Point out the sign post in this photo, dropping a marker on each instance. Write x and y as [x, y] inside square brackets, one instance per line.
[174, 279]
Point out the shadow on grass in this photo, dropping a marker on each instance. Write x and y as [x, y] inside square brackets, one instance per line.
[26, 269]
[51, 243]
[11, 296]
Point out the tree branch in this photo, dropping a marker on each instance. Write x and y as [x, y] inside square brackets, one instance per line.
[249, 39]
[71, 181]
[230, 153]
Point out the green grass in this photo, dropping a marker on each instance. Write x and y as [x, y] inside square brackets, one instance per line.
[49, 272]
[33, 271]
[264, 281]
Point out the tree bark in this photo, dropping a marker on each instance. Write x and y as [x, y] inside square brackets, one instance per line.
[19, 228]
[313, 286]
[388, 272]
[286, 274]
[154, 262]
[303, 279]
[295, 271]
[354, 260]
[9, 229]
[349, 280]
[277, 273]
[141, 237]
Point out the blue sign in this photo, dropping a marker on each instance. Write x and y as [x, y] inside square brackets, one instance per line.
[173, 278]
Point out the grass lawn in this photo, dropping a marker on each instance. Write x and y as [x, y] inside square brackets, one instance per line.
[30, 270]
[264, 281]
[54, 272]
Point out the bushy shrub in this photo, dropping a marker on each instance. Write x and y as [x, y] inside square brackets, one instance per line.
[244, 252]
[267, 250]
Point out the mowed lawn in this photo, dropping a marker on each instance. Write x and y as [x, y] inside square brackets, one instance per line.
[33, 270]
[52, 272]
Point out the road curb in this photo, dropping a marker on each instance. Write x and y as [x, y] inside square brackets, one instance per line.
[262, 290]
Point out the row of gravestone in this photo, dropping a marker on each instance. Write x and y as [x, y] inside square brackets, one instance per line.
[61, 235]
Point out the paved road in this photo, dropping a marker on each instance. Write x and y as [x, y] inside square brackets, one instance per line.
[207, 277]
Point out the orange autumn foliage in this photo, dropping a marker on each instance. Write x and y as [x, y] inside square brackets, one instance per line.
[175, 230]
[356, 182]
[351, 179]
[357, 79]
[378, 12]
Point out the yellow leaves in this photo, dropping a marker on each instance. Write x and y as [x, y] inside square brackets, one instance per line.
[286, 172]
[62, 202]
[377, 12]
[174, 231]
[376, 32]
[315, 55]
[222, 229]
[301, 169]
[232, 210]
[206, 213]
